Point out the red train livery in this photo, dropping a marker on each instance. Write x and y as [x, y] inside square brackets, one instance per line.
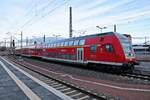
[109, 48]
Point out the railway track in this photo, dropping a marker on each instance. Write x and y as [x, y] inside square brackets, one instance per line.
[137, 76]
[75, 92]
[133, 75]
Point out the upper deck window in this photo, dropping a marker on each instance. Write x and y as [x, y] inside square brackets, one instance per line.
[45, 45]
[70, 43]
[66, 43]
[76, 42]
[82, 42]
[58, 44]
[62, 43]
[54, 44]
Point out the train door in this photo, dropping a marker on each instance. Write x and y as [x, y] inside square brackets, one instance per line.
[93, 52]
[80, 54]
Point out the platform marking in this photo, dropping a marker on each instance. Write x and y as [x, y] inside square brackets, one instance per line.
[29, 93]
[51, 89]
[92, 82]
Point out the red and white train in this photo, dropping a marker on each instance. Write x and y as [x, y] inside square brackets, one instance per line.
[110, 48]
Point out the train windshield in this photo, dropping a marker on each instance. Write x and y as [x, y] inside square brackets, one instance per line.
[126, 44]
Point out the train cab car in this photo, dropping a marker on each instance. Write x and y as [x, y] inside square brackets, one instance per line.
[128, 54]
[110, 48]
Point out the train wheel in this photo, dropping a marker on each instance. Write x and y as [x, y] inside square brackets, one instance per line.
[130, 67]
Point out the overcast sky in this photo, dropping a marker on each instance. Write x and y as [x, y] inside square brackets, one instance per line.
[38, 17]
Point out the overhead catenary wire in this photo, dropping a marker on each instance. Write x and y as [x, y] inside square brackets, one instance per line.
[33, 17]
[32, 12]
[32, 21]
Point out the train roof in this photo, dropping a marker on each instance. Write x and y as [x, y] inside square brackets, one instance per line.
[87, 36]
[95, 35]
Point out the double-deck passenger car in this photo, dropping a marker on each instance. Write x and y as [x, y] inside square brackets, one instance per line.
[110, 48]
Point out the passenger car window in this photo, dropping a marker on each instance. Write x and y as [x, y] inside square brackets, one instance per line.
[70, 43]
[54, 45]
[109, 48]
[62, 43]
[76, 42]
[82, 42]
[93, 48]
[66, 43]
[58, 44]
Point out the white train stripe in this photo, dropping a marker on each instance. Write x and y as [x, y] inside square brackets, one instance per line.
[29, 93]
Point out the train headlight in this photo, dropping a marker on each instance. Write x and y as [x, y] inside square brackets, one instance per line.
[130, 59]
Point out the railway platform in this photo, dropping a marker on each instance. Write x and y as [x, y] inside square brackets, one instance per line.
[16, 84]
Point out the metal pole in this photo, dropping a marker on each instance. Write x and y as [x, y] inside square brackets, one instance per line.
[26, 41]
[21, 39]
[11, 41]
[13, 47]
[145, 45]
[44, 39]
[5, 42]
[11, 44]
[21, 42]
[114, 28]
[70, 22]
